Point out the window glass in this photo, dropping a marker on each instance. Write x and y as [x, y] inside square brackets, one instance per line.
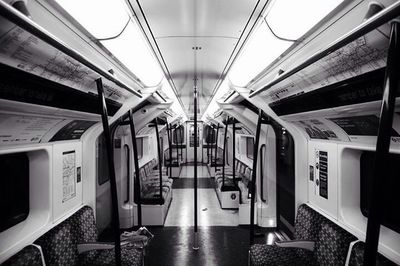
[14, 189]
[139, 146]
[391, 215]
[250, 147]
[102, 162]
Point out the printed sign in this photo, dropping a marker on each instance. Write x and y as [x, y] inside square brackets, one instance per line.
[69, 181]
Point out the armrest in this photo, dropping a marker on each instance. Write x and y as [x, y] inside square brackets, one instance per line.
[305, 244]
[85, 247]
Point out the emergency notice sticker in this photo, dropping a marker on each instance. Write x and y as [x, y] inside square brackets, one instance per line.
[69, 180]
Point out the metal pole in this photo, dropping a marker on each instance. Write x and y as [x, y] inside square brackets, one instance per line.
[370, 24]
[170, 149]
[137, 174]
[33, 28]
[196, 240]
[216, 150]
[382, 169]
[254, 176]
[159, 155]
[111, 171]
[223, 152]
[233, 152]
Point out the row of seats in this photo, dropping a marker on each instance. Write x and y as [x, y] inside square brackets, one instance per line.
[150, 184]
[65, 245]
[243, 175]
[317, 241]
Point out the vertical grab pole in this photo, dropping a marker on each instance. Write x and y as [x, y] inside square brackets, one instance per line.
[381, 169]
[111, 170]
[159, 155]
[196, 240]
[170, 149]
[254, 175]
[223, 152]
[137, 174]
[216, 150]
[233, 151]
[176, 143]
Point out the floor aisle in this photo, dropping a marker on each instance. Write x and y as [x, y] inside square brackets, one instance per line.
[209, 209]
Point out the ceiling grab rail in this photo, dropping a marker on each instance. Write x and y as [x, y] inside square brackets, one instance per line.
[381, 167]
[387, 14]
[111, 171]
[136, 184]
[33, 28]
[196, 142]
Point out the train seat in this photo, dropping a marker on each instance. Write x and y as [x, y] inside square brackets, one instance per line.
[357, 256]
[29, 256]
[318, 241]
[60, 244]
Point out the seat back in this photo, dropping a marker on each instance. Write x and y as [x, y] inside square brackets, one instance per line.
[308, 223]
[29, 256]
[59, 245]
[332, 245]
[357, 256]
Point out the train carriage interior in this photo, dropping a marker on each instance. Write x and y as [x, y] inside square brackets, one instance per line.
[199, 132]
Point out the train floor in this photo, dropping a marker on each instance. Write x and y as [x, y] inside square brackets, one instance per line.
[221, 240]
[209, 210]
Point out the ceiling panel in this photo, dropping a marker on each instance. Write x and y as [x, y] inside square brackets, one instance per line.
[212, 25]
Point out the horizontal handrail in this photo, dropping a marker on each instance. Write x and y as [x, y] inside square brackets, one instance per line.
[32, 27]
[370, 24]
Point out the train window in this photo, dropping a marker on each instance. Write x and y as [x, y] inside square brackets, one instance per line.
[14, 189]
[139, 146]
[177, 137]
[102, 163]
[391, 217]
[249, 147]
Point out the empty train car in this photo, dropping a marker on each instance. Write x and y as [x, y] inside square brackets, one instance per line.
[200, 132]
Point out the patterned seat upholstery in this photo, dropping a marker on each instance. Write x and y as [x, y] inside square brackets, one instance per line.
[28, 256]
[276, 256]
[59, 245]
[357, 256]
[331, 243]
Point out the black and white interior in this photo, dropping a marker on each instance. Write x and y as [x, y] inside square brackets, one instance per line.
[226, 128]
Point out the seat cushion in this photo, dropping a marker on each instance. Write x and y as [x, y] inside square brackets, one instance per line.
[29, 255]
[308, 223]
[357, 257]
[262, 254]
[129, 256]
[332, 245]
[59, 245]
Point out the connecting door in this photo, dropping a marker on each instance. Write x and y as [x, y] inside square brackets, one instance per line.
[192, 142]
